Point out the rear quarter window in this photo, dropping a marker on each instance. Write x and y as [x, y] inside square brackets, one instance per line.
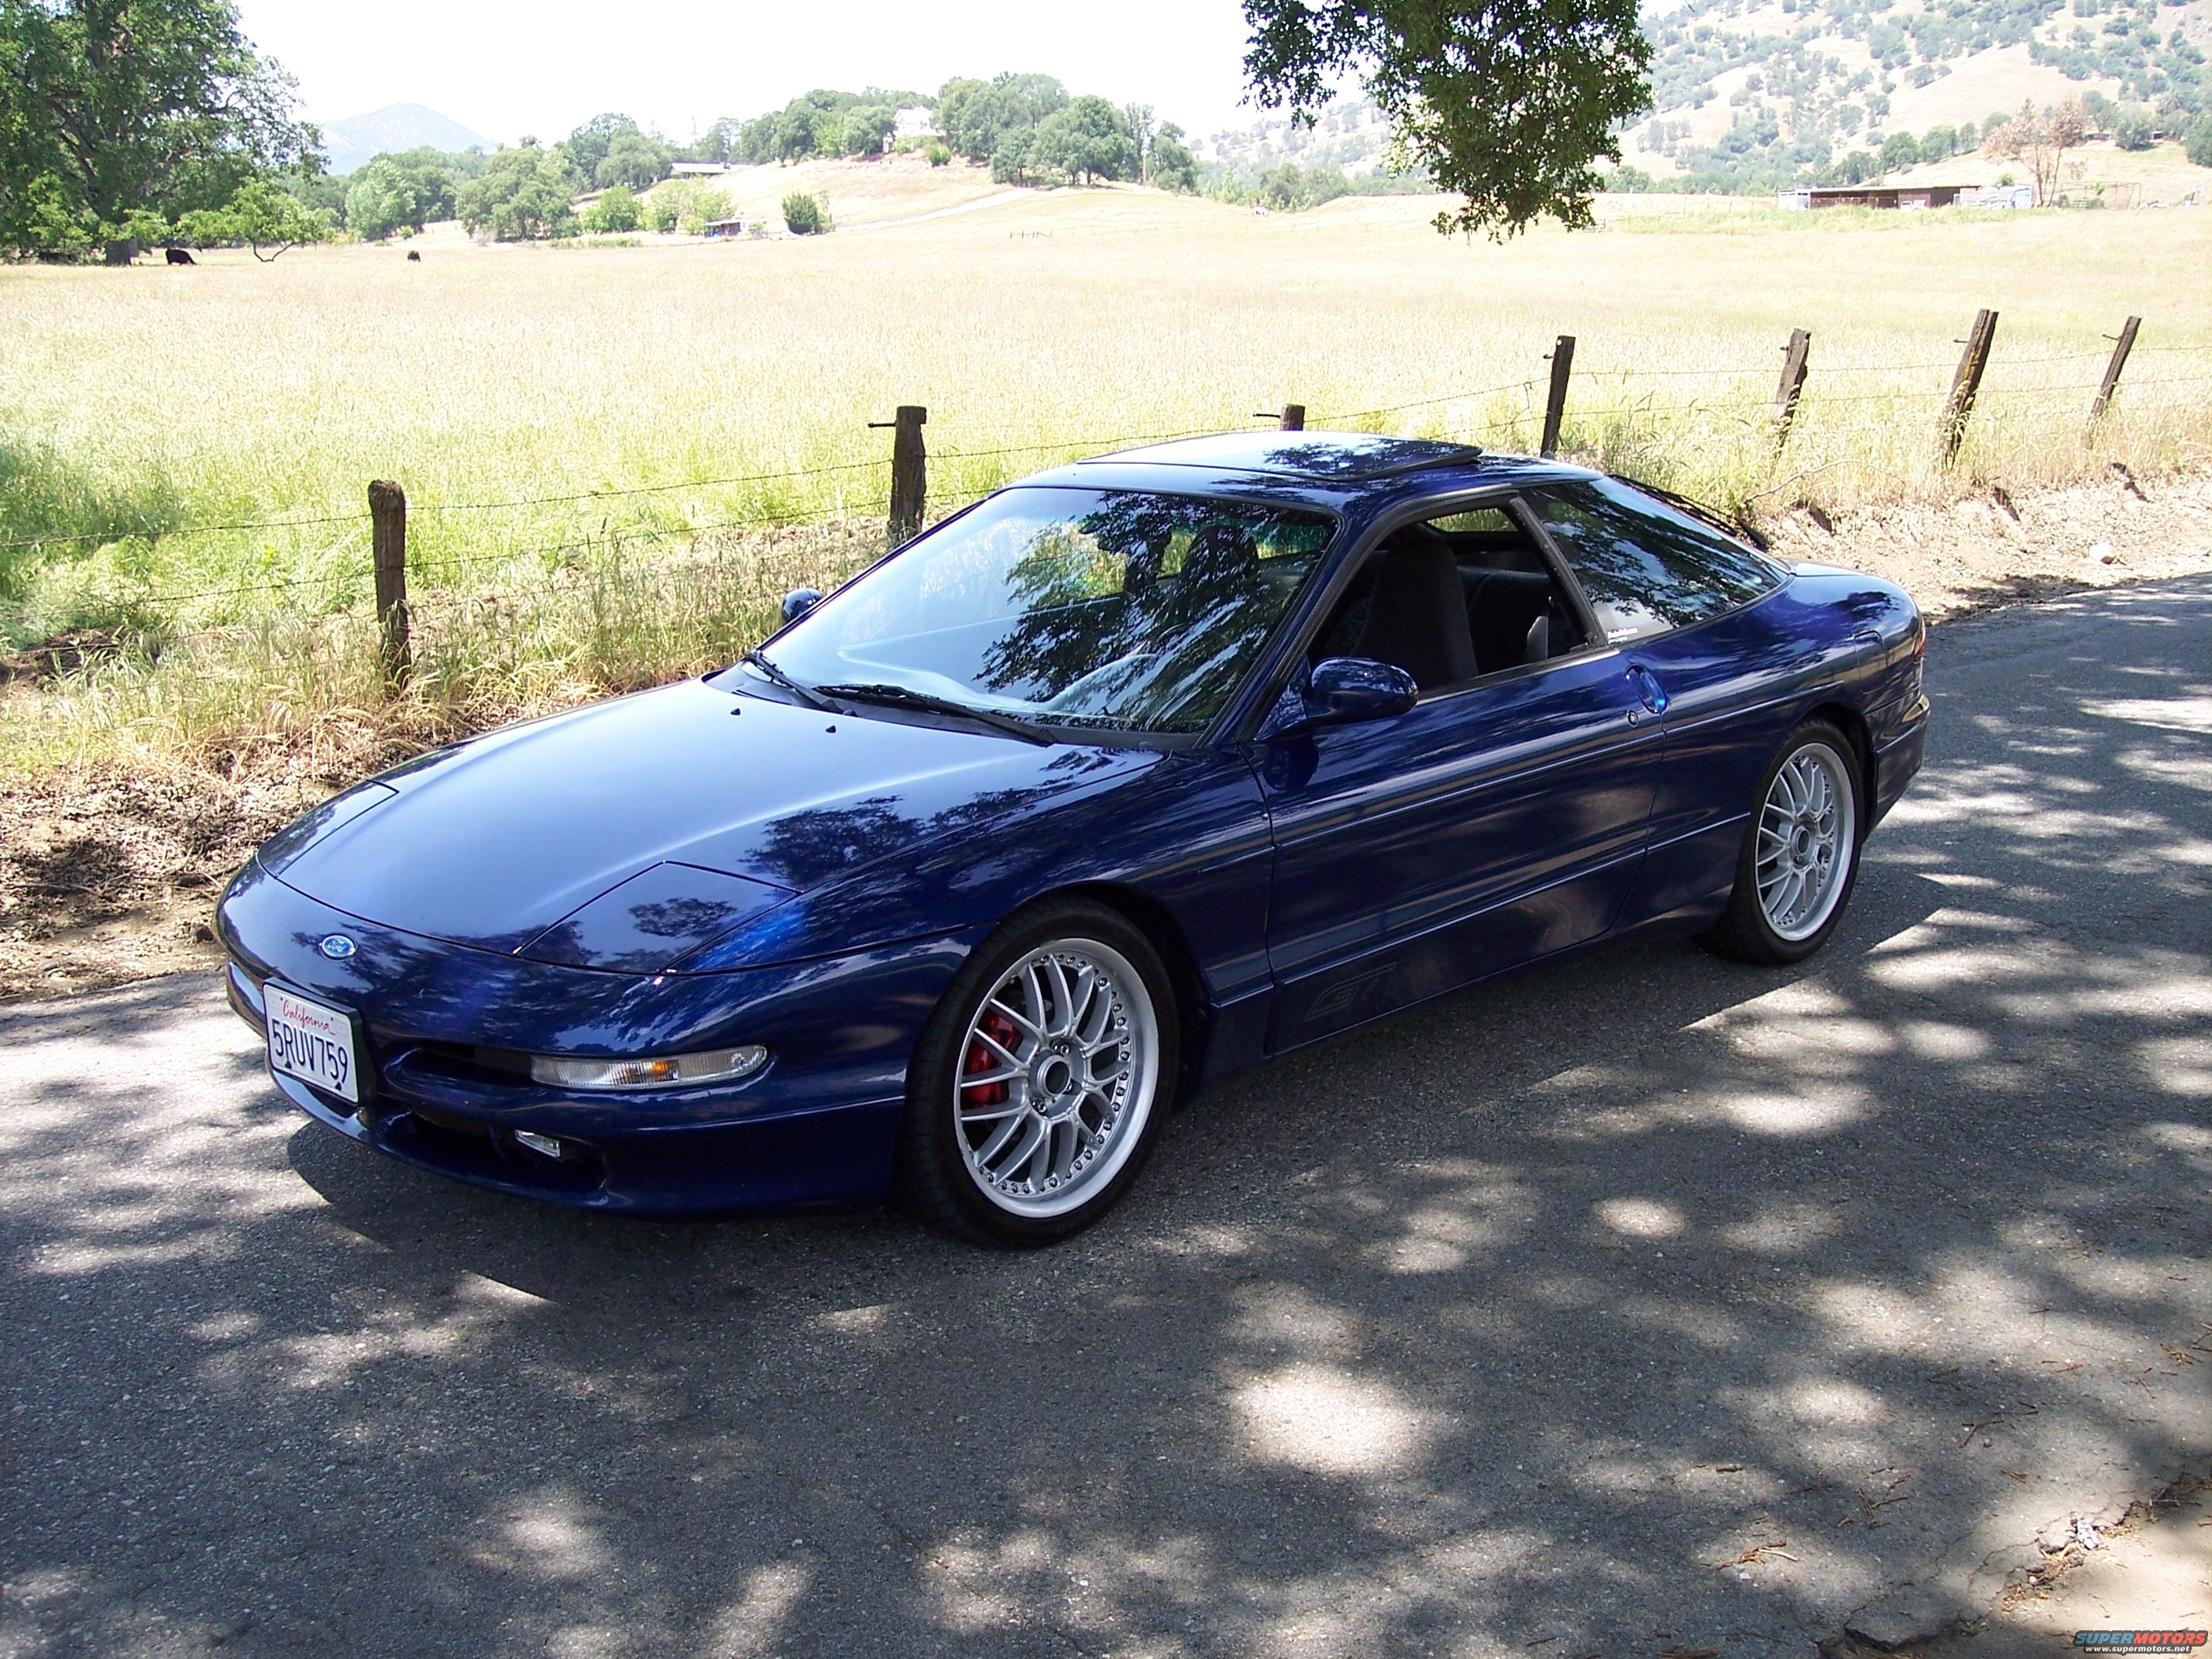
[1647, 568]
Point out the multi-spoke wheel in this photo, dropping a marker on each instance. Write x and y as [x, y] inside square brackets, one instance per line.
[1038, 1086]
[1800, 854]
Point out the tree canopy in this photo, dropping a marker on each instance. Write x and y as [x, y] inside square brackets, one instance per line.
[1088, 140]
[1508, 103]
[587, 146]
[524, 192]
[634, 158]
[616, 209]
[381, 200]
[118, 116]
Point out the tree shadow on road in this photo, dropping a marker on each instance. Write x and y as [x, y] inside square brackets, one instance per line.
[1646, 1300]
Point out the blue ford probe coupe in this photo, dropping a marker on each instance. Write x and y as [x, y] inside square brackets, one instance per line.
[1131, 774]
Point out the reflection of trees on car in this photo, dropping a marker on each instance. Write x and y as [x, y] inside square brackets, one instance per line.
[1151, 613]
[1646, 568]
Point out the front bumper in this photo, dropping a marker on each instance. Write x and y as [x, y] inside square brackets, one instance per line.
[818, 1127]
[1897, 761]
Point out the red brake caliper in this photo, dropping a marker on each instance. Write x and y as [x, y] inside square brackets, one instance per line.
[981, 1060]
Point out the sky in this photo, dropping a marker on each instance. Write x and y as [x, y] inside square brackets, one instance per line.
[508, 68]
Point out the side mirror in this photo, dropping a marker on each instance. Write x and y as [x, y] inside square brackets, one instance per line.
[1342, 691]
[800, 601]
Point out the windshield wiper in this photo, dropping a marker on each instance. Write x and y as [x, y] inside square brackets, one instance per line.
[900, 696]
[757, 658]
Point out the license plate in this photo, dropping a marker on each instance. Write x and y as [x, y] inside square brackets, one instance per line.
[312, 1041]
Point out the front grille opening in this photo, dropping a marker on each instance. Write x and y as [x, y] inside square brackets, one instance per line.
[448, 1123]
[467, 1062]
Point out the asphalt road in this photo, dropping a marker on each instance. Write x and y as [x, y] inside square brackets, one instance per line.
[1649, 1300]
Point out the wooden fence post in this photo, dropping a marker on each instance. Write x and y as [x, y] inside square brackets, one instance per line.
[1294, 417]
[387, 511]
[1793, 385]
[1555, 404]
[1967, 381]
[2123, 343]
[909, 470]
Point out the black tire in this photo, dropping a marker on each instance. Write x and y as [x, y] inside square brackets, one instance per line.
[934, 1176]
[1744, 931]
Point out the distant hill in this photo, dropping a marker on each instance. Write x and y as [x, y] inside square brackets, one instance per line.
[1751, 94]
[1351, 133]
[1749, 91]
[353, 141]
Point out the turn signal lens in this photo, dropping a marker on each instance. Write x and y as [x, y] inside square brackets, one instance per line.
[671, 1072]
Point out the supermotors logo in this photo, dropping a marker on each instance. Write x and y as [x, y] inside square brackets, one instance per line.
[2139, 1641]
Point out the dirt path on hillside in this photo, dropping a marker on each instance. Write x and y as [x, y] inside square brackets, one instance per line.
[112, 875]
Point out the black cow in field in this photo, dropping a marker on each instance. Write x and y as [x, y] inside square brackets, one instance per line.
[177, 256]
[413, 257]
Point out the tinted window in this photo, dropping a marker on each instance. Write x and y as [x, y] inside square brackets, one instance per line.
[1646, 567]
[1083, 607]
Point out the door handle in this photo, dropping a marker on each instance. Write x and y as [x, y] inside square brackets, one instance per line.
[1653, 694]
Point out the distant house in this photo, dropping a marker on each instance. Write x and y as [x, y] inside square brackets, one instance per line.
[718, 229]
[1903, 198]
[694, 169]
[913, 122]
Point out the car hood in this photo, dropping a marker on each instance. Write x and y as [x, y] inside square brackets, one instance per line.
[704, 807]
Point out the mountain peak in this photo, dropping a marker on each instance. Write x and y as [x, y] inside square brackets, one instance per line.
[353, 141]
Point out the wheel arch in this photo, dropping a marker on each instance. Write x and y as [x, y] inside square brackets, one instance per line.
[1157, 923]
[1852, 724]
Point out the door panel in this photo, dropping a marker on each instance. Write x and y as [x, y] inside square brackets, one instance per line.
[1484, 828]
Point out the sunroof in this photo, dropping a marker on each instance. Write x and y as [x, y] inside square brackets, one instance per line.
[1327, 456]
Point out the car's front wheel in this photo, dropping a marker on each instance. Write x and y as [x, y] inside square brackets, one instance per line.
[1801, 852]
[1041, 1079]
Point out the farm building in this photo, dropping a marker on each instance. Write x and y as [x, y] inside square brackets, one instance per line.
[694, 169]
[718, 229]
[1903, 197]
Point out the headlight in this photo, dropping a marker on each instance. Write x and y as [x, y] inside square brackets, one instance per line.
[670, 1072]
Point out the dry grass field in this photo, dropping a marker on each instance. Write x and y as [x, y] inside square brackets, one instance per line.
[889, 191]
[618, 459]
[599, 443]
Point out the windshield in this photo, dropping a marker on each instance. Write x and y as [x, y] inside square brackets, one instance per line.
[1081, 607]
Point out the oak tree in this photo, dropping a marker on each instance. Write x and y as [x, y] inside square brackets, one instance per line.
[1508, 103]
[115, 114]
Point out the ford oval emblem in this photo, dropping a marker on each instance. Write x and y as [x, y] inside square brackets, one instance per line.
[336, 946]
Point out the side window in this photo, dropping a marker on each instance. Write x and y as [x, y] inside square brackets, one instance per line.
[1453, 599]
[1646, 567]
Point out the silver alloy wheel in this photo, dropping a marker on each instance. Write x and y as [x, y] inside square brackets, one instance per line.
[1808, 828]
[1057, 1076]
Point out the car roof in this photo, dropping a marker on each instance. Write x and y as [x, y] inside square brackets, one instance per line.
[1333, 465]
[1321, 457]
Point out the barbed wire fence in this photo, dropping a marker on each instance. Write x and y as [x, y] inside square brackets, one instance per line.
[908, 501]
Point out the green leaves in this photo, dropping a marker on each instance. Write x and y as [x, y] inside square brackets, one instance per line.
[616, 210]
[524, 193]
[633, 159]
[112, 111]
[1087, 140]
[380, 200]
[804, 215]
[1509, 103]
[263, 215]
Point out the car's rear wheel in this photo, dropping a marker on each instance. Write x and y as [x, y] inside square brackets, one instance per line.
[1041, 1079]
[1801, 852]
